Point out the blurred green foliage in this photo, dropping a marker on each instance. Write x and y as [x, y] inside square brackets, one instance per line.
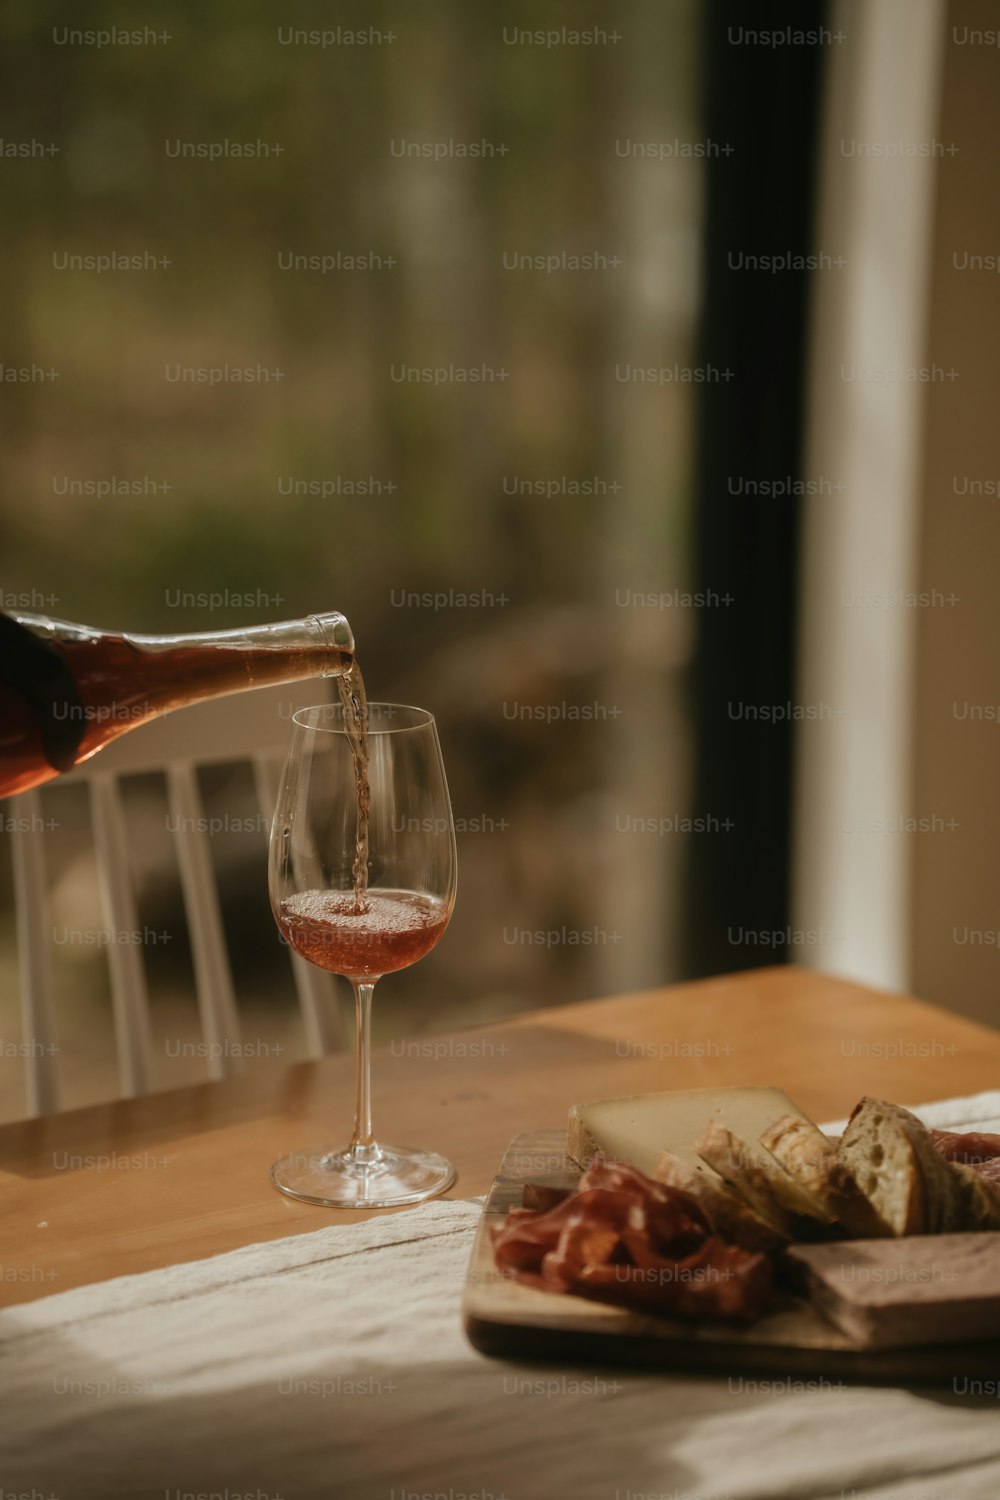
[448, 75]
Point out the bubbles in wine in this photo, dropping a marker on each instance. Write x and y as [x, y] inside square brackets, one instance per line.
[395, 929]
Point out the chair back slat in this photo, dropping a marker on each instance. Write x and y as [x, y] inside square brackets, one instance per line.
[213, 976]
[321, 1018]
[34, 938]
[129, 998]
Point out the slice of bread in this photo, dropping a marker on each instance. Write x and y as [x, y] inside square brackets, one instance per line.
[763, 1185]
[811, 1159]
[880, 1148]
[731, 1219]
[892, 1158]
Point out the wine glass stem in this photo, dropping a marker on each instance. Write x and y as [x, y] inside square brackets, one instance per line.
[363, 1148]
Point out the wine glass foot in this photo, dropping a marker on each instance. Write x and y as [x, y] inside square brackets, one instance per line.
[393, 1175]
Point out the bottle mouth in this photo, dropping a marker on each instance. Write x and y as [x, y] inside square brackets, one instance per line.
[336, 630]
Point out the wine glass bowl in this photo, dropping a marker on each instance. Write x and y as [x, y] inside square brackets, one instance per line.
[395, 918]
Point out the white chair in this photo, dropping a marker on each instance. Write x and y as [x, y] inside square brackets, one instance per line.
[252, 726]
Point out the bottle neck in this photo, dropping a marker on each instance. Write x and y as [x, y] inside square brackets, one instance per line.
[175, 670]
[326, 640]
[140, 676]
[327, 635]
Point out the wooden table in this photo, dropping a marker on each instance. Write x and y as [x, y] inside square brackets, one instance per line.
[142, 1183]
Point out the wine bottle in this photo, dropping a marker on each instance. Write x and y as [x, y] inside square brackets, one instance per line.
[67, 690]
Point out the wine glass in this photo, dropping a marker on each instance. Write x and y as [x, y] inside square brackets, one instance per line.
[316, 851]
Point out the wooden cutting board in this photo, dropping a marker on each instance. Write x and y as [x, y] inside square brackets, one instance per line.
[794, 1343]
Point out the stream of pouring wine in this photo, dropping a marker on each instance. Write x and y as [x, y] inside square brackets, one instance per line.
[354, 704]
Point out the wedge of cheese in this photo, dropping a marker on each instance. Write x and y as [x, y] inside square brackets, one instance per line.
[637, 1129]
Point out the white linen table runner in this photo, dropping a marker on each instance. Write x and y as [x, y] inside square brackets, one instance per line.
[334, 1364]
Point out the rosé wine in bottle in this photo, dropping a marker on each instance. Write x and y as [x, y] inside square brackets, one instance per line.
[67, 690]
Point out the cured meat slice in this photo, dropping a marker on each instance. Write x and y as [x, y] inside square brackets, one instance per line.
[717, 1282]
[971, 1148]
[626, 1239]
